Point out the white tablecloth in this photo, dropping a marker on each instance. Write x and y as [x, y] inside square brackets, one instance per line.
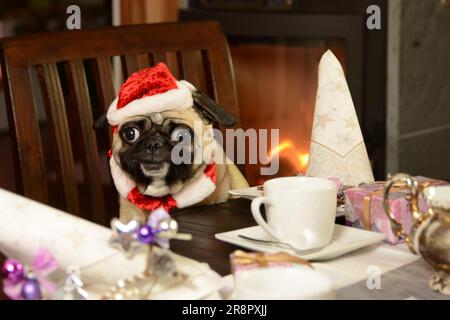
[355, 267]
[26, 225]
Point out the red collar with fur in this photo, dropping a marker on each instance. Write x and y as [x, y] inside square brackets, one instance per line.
[193, 192]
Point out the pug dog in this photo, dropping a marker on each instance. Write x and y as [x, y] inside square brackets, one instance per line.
[163, 151]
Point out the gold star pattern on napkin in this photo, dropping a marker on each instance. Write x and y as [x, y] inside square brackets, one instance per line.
[350, 123]
[322, 120]
[337, 145]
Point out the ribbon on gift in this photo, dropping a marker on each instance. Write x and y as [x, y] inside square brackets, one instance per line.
[396, 187]
[263, 259]
[43, 264]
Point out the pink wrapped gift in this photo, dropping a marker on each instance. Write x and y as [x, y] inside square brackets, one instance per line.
[364, 207]
[241, 261]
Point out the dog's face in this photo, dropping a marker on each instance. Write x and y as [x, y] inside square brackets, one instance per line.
[147, 146]
[143, 148]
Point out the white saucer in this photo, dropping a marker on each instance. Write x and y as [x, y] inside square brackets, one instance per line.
[247, 193]
[345, 240]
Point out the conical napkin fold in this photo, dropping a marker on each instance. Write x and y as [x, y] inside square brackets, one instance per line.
[337, 145]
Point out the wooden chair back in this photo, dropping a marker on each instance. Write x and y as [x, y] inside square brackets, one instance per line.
[71, 73]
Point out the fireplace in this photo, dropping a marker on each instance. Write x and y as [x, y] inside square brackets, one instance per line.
[276, 51]
[277, 85]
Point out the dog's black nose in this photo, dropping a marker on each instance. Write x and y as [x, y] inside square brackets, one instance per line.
[156, 150]
[154, 145]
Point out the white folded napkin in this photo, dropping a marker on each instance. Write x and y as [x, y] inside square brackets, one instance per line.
[26, 225]
[337, 145]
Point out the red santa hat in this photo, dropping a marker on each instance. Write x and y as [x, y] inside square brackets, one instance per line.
[151, 90]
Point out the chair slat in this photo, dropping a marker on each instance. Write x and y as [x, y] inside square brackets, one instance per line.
[31, 178]
[158, 57]
[79, 91]
[173, 60]
[104, 81]
[129, 65]
[59, 131]
[133, 63]
[143, 61]
[193, 71]
[223, 84]
[209, 81]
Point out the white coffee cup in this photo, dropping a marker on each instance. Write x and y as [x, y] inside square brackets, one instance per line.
[300, 211]
[287, 283]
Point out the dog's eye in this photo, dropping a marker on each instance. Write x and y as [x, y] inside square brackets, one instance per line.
[180, 134]
[130, 134]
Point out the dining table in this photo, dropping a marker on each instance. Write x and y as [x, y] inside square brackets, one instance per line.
[404, 275]
[203, 222]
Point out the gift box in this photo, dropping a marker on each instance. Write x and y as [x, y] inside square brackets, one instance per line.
[242, 261]
[364, 206]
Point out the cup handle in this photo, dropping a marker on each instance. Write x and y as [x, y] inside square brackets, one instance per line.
[256, 204]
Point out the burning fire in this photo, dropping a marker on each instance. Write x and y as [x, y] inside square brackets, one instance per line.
[302, 158]
[279, 148]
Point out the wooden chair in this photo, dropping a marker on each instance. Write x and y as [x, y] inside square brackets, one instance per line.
[76, 85]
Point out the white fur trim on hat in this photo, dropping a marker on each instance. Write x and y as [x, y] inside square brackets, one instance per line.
[175, 99]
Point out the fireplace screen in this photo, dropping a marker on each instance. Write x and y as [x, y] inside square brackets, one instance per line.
[276, 85]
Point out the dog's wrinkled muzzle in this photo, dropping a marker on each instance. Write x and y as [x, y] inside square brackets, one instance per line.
[155, 151]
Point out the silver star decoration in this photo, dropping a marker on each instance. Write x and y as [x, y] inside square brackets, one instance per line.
[124, 236]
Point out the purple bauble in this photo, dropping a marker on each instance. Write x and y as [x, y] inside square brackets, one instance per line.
[31, 290]
[12, 270]
[145, 233]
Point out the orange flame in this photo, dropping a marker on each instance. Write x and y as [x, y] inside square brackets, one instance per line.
[302, 157]
[279, 148]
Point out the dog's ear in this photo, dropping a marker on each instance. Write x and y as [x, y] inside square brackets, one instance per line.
[101, 122]
[211, 110]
